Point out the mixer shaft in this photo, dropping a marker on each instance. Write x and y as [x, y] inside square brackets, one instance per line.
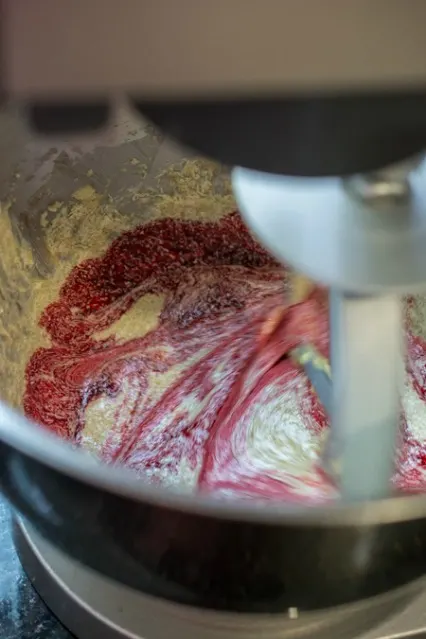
[366, 339]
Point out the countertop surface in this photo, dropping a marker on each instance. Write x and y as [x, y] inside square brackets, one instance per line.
[22, 613]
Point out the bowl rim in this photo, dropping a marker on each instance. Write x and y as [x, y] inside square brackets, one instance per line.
[31, 440]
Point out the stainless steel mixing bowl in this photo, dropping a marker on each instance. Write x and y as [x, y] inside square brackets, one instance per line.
[193, 549]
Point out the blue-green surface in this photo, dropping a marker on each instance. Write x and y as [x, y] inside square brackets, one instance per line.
[22, 613]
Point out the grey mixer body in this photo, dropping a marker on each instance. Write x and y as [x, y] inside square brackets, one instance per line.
[326, 111]
[94, 607]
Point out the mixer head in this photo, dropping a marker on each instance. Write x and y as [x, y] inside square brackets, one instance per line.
[361, 234]
[336, 90]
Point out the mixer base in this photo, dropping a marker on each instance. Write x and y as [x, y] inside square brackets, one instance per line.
[94, 607]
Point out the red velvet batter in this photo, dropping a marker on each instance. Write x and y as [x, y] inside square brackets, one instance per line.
[221, 287]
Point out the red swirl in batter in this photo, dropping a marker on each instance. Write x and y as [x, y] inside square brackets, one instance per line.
[231, 376]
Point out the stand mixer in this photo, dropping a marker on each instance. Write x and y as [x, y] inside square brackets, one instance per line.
[326, 112]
